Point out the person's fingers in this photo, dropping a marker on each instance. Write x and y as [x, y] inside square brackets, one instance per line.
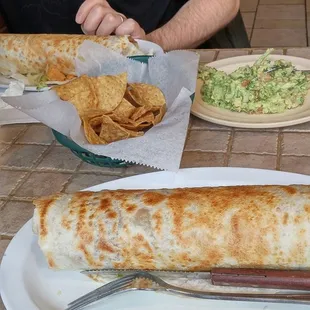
[130, 27]
[86, 7]
[94, 18]
[109, 24]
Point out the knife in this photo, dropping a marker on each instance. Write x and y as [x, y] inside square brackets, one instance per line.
[234, 277]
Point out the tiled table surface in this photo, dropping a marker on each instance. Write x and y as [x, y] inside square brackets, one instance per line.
[277, 22]
[33, 164]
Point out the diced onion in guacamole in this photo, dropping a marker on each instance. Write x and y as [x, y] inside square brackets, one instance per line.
[252, 89]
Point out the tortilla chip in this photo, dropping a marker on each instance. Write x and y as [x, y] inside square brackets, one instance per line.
[70, 77]
[106, 114]
[90, 133]
[146, 118]
[139, 112]
[111, 131]
[91, 113]
[110, 91]
[146, 95]
[103, 93]
[123, 111]
[135, 134]
[54, 74]
[80, 92]
[137, 127]
[160, 115]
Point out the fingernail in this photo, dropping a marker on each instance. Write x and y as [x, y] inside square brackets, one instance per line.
[78, 18]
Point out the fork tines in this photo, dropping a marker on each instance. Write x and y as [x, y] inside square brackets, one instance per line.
[103, 291]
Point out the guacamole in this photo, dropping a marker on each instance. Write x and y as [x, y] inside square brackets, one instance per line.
[252, 89]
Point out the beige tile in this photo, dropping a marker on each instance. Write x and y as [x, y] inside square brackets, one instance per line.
[59, 158]
[139, 169]
[42, 184]
[308, 5]
[213, 141]
[295, 164]
[281, 12]
[85, 167]
[9, 180]
[296, 144]
[258, 129]
[10, 132]
[298, 128]
[199, 124]
[3, 148]
[3, 245]
[262, 51]
[278, 37]
[37, 134]
[280, 24]
[299, 52]
[206, 56]
[253, 161]
[202, 159]
[282, 2]
[22, 156]
[248, 5]
[231, 53]
[82, 181]
[248, 19]
[255, 142]
[14, 215]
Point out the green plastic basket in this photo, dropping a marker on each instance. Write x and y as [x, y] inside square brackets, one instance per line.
[91, 158]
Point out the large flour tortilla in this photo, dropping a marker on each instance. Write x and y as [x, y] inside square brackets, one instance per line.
[32, 53]
[179, 229]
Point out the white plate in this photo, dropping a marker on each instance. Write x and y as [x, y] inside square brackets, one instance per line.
[145, 46]
[243, 120]
[27, 283]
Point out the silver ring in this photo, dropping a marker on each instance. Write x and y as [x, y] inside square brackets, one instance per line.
[122, 18]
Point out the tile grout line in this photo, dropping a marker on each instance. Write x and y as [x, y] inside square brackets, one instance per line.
[279, 149]
[229, 147]
[29, 173]
[65, 186]
[12, 142]
[43, 155]
[50, 170]
[306, 20]
[254, 21]
[216, 55]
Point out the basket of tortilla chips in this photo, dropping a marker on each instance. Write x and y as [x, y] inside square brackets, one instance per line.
[111, 109]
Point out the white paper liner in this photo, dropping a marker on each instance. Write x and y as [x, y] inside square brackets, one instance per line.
[161, 147]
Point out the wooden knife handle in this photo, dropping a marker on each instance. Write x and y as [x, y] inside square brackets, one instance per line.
[263, 278]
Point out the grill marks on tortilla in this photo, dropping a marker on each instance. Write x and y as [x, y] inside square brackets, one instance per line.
[190, 229]
[44, 206]
[84, 235]
[153, 198]
[27, 53]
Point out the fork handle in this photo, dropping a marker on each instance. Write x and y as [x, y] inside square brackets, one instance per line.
[279, 279]
[277, 298]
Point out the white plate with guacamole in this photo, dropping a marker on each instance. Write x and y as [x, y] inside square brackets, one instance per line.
[233, 100]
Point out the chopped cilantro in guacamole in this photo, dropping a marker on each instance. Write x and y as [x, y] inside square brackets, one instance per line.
[252, 89]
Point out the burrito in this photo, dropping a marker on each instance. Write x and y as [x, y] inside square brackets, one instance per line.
[188, 229]
[37, 58]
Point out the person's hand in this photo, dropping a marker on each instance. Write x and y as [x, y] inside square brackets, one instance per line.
[97, 17]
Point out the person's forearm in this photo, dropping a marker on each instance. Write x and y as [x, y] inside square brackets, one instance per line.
[197, 21]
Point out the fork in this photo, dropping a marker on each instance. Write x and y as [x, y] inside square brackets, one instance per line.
[123, 285]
